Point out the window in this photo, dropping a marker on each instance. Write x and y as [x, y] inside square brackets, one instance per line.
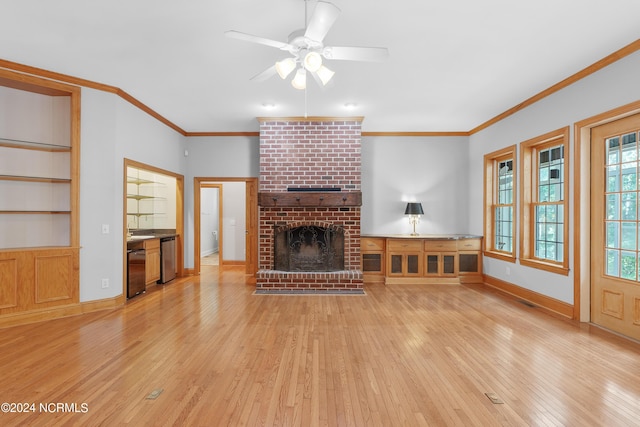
[621, 199]
[544, 202]
[499, 204]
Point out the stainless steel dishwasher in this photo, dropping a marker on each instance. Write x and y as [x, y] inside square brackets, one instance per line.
[168, 259]
[136, 270]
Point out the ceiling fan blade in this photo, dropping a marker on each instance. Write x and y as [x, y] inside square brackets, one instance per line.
[324, 15]
[266, 74]
[256, 39]
[373, 54]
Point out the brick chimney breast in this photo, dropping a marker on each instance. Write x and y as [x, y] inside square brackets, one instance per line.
[310, 175]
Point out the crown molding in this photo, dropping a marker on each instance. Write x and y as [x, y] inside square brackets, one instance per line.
[435, 133]
[51, 75]
[195, 134]
[607, 60]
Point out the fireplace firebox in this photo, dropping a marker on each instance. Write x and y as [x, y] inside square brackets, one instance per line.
[309, 248]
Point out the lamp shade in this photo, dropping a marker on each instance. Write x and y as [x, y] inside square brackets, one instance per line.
[312, 61]
[324, 74]
[285, 67]
[300, 79]
[414, 209]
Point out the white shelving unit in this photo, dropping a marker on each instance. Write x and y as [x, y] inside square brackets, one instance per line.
[146, 200]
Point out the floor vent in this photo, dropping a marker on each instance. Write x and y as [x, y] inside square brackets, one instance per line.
[154, 394]
[494, 398]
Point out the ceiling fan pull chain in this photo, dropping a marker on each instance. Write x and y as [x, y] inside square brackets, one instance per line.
[306, 17]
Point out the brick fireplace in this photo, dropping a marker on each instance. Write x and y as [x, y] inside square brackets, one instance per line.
[309, 199]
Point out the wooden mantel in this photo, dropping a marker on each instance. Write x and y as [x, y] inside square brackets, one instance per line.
[315, 199]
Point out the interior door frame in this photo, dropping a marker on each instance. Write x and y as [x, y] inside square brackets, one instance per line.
[251, 209]
[220, 210]
[582, 205]
[179, 215]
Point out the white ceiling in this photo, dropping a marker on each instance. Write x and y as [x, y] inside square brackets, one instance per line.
[453, 64]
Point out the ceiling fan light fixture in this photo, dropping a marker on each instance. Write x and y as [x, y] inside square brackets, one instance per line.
[285, 67]
[325, 75]
[312, 61]
[300, 79]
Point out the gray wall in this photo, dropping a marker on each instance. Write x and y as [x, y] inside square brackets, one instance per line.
[112, 129]
[612, 87]
[218, 157]
[429, 170]
[445, 174]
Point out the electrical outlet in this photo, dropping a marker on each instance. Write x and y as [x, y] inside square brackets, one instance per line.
[105, 228]
[508, 271]
[105, 283]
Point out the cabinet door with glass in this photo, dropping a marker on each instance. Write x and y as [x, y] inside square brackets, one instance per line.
[470, 260]
[372, 253]
[404, 258]
[441, 258]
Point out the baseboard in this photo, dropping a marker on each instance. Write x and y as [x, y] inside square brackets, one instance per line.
[34, 316]
[544, 302]
[232, 262]
[103, 304]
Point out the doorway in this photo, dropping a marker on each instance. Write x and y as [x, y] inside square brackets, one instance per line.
[585, 278]
[238, 222]
[615, 226]
[211, 209]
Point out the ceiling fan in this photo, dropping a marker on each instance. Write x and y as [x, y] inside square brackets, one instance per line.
[307, 49]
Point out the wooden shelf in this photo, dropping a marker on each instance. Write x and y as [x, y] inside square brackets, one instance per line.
[8, 212]
[34, 179]
[31, 145]
[310, 199]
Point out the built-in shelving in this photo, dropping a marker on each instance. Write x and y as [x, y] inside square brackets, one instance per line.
[39, 174]
[145, 198]
[421, 259]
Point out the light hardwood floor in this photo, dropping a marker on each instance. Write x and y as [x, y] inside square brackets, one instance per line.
[399, 355]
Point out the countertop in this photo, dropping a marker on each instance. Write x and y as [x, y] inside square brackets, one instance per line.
[424, 236]
[148, 236]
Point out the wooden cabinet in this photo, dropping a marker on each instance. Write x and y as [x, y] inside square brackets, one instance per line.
[152, 262]
[441, 258]
[425, 259]
[39, 169]
[373, 262]
[404, 258]
[470, 260]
